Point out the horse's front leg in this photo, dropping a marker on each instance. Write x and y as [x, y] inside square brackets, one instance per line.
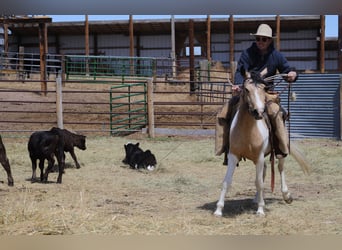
[255, 200]
[227, 181]
[286, 194]
[259, 183]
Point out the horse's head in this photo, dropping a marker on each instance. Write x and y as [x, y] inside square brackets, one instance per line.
[253, 94]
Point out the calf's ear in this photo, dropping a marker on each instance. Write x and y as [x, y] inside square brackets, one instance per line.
[137, 144]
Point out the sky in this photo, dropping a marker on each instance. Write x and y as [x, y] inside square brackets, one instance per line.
[331, 21]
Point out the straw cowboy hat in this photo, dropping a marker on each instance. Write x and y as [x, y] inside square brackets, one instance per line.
[264, 30]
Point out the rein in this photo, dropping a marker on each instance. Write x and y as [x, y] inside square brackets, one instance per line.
[279, 78]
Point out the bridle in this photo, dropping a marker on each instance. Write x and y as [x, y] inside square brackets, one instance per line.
[252, 109]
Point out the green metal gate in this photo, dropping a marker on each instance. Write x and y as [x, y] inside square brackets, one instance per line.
[128, 108]
[94, 67]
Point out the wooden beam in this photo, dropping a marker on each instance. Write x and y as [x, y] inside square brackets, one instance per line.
[86, 32]
[208, 38]
[322, 45]
[86, 43]
[131, 43]
[26, 19]
[5, 38]
[42, 54]
[173, 45]
[191, 55]
[278, 32]
[131, 36]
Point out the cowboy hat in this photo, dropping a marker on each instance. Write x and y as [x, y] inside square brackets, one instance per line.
[263, 30]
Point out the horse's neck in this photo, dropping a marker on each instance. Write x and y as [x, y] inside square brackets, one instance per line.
[243, 114]
[244, 122]
[248, 132]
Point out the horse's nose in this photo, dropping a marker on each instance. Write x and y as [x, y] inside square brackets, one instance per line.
[257, 114]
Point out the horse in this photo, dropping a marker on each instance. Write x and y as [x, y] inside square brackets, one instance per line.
[249, 138]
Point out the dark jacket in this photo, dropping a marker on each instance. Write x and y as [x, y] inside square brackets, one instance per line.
[251, 60]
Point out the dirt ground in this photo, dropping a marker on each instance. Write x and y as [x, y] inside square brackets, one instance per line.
[105, 197]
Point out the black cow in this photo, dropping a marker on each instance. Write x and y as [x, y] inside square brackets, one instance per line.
[45, 145]
[137, 158]
[5, 163]
[72, 140]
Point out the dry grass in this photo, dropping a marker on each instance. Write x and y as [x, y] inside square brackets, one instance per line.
[105, 197]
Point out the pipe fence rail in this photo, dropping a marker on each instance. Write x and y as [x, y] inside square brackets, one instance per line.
[107, 107]
[105, 101]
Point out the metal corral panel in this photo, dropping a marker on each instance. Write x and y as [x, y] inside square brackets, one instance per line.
[316, 110]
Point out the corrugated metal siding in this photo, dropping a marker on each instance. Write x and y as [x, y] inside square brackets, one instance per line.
[155, 46]
[299, 47]
[316, 110]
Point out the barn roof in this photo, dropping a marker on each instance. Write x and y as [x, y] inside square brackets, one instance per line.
[162, 26]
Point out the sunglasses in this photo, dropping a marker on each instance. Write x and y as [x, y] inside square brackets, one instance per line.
[263, 39]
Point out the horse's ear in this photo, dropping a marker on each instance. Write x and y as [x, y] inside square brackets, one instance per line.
[263, 72]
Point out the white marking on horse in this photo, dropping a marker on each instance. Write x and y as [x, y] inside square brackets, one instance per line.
[259, 103]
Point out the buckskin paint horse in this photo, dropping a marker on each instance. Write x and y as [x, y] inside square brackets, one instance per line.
[250, 139]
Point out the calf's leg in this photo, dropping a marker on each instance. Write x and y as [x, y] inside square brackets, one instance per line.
[72, 153]
[51, 162]
[61, 164]
[41, 167]
[34, 167]
[7, 167]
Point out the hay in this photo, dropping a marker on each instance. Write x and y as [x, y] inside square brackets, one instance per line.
[106, 197]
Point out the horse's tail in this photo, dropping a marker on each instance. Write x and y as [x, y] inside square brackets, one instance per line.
[299, 157]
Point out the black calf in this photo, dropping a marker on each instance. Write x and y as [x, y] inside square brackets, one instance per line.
[45, 145]
[72, 140]
[137, 158]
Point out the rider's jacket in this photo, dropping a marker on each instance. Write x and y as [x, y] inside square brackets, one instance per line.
[252, 60]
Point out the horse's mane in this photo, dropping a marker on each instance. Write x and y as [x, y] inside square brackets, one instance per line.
[257, 78]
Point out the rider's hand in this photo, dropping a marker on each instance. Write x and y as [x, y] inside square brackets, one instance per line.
[291, 76]
[236, 88]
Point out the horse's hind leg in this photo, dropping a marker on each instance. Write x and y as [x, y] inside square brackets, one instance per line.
[232, 161]
[286, 194]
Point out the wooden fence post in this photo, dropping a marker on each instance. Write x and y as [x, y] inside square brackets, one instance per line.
[59, 100]
[150, 107]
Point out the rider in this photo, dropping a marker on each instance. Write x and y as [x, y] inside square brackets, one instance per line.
[263, 58]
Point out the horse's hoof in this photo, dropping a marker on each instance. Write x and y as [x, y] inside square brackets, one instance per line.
[260, 212]
[218, 213]
[288, 198]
